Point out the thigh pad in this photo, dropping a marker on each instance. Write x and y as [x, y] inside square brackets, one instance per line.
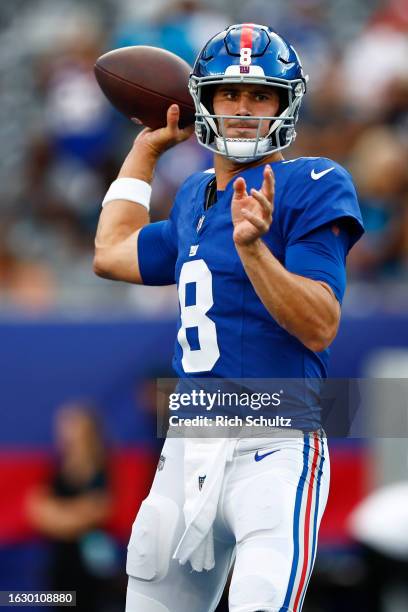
[136, 602]
[260, 507]
[153, 534]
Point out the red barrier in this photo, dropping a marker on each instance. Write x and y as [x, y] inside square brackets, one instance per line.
[351, 471]
[131, 473]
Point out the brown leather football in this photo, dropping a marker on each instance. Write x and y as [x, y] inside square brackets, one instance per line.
[142, 82]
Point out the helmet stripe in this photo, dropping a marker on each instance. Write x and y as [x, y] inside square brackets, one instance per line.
[246, 35]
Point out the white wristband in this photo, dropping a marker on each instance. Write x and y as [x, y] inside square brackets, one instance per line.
[131, 189]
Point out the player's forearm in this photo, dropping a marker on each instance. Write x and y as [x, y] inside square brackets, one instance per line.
[120, 218]
[68, 519]
[120, 222]
[305, 308]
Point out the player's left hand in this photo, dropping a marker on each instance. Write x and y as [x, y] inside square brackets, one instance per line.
[252, 213]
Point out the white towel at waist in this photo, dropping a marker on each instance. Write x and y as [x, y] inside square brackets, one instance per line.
[204, 466]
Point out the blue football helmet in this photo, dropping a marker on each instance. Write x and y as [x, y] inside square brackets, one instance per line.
[247, 53]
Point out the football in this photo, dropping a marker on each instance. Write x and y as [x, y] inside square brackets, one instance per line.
[142, 82]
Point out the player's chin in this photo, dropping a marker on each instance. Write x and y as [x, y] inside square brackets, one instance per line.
[247, 133]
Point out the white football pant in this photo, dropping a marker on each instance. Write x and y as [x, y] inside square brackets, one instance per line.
[269, 511]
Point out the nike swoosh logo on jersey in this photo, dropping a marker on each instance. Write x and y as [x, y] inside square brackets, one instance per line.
[317, 175]
[259, 457]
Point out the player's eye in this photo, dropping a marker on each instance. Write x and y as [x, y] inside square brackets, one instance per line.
[229, 94]
[261, 97]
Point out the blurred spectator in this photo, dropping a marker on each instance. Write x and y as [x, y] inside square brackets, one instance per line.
[376, 59]
[379, 165]
[73, 510]
[181, 26]
[70, 160]
[24, 284]
[329, 128]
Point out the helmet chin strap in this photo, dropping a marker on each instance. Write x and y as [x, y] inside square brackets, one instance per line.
[209, 119]
[243, 150]
[277, 122]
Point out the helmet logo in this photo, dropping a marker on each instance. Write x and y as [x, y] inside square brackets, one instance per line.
[245, 60]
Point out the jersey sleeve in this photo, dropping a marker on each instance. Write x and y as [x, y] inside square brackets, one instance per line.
[157, 253]
[321, 191]
[158, 242]
[321, 256]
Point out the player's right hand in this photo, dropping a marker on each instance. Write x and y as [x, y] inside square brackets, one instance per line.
[150, 144]
[252, 213]
[158, 141]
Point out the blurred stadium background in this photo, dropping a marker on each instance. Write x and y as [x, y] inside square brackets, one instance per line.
[73, 344]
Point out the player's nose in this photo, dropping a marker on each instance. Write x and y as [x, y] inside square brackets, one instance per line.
[243, 106]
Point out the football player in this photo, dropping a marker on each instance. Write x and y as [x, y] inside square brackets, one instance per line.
[257, 248]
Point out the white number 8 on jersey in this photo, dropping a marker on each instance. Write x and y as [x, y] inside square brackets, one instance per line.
[195, 315]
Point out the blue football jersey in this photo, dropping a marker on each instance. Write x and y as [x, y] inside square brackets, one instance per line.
[224, 330]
